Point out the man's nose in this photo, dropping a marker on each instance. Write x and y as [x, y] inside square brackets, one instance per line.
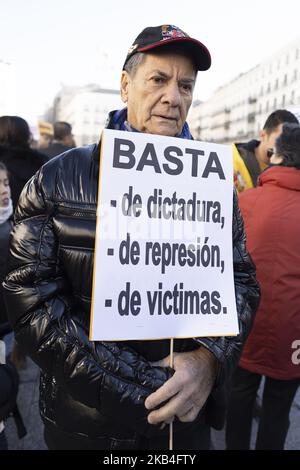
[172, 94]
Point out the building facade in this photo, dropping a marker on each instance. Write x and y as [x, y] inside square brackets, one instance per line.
[86, 109]
[238, 110]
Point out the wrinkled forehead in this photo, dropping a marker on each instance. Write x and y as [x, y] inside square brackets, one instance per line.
[169, 61]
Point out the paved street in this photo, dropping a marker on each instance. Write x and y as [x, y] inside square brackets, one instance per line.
[28, 401]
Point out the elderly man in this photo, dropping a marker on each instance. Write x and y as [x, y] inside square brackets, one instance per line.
[99, 395]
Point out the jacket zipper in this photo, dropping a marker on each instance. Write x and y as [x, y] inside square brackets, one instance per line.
[77, 213]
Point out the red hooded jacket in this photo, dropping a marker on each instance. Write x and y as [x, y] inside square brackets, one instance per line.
[272, 221]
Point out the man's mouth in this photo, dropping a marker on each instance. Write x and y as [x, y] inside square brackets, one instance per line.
[169, 118]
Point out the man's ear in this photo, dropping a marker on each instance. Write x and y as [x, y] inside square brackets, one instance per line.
[125, 79]
[262, 135]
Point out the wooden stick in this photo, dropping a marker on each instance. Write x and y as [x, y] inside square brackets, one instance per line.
[171, 365]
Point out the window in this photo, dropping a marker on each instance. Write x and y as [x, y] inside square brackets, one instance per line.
[295, 75]
[283, 100]
[293, 97]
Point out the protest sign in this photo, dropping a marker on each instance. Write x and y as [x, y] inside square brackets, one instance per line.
[163, 252]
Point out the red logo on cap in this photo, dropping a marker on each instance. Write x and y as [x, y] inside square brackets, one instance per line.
[169, 32]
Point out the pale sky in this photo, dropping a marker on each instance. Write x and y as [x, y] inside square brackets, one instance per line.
[76, 42]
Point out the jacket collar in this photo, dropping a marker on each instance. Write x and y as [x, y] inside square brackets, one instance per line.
[108, 125]
[281, 176]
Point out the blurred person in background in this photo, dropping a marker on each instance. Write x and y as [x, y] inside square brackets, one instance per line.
[271, 215]
[251, 158]
[21, 161]
[8, 375]
[45, 135]
[63, 139]
[6, 212]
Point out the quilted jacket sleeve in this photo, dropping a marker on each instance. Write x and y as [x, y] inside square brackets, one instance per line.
[228, 349]
[40, 311]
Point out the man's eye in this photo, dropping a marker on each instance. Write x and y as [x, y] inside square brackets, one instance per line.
[158, 79]
[186, 87]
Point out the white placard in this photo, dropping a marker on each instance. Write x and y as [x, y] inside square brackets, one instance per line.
[163, 254]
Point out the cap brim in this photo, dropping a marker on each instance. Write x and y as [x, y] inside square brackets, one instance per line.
[200, 52]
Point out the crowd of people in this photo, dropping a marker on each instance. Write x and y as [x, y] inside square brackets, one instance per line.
[19, 161]
[98, 395]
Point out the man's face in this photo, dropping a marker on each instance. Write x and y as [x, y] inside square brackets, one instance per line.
[44, 141]
[160, 93]
[69, 140]
[4, 189]
[268, 140]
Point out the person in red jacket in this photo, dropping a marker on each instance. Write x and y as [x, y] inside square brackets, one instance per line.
[271, 215]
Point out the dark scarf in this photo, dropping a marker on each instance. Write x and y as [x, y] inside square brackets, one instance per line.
[121, 123]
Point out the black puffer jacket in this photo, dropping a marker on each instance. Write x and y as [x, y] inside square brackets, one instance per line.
[94, 388]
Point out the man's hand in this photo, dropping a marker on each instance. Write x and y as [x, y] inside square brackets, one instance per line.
[188, 389]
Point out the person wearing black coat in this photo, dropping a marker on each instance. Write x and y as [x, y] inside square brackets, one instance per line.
[5, 229]
[21, 161]
[93, 394]
[63, 139]
[9, 378]
[6, 212]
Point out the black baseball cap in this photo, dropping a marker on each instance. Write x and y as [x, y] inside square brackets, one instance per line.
[157, 36]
